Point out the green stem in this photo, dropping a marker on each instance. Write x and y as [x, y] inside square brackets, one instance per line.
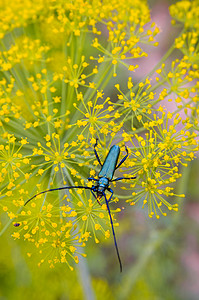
[164, 58]
[63, 88]
[82, 266]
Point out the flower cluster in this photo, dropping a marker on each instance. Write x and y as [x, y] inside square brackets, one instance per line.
[157, 159]
[59, 91]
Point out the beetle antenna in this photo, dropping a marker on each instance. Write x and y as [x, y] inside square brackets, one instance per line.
[113, 231]
[58, 189]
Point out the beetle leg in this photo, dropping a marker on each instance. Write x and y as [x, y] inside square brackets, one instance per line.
[91, 178]
[111, 191]
[123, 159]
[93, 189]
[120, 178]
[97, 156]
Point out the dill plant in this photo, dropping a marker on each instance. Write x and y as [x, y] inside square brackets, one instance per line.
[60, 64]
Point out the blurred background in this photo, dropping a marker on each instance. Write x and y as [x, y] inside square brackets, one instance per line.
[160, 257]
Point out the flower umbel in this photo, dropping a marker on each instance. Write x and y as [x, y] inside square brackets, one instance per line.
[66, 80]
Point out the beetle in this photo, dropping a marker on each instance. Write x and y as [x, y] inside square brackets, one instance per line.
[98, 190]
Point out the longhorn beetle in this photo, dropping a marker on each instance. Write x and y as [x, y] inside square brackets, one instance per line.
[105, 176]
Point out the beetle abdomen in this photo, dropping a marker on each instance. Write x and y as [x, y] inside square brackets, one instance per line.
[110, 163]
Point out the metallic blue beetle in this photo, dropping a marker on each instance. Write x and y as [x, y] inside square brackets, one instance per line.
[105, 176]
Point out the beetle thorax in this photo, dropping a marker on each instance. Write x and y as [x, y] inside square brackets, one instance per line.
[102, 185]
[103, 182]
